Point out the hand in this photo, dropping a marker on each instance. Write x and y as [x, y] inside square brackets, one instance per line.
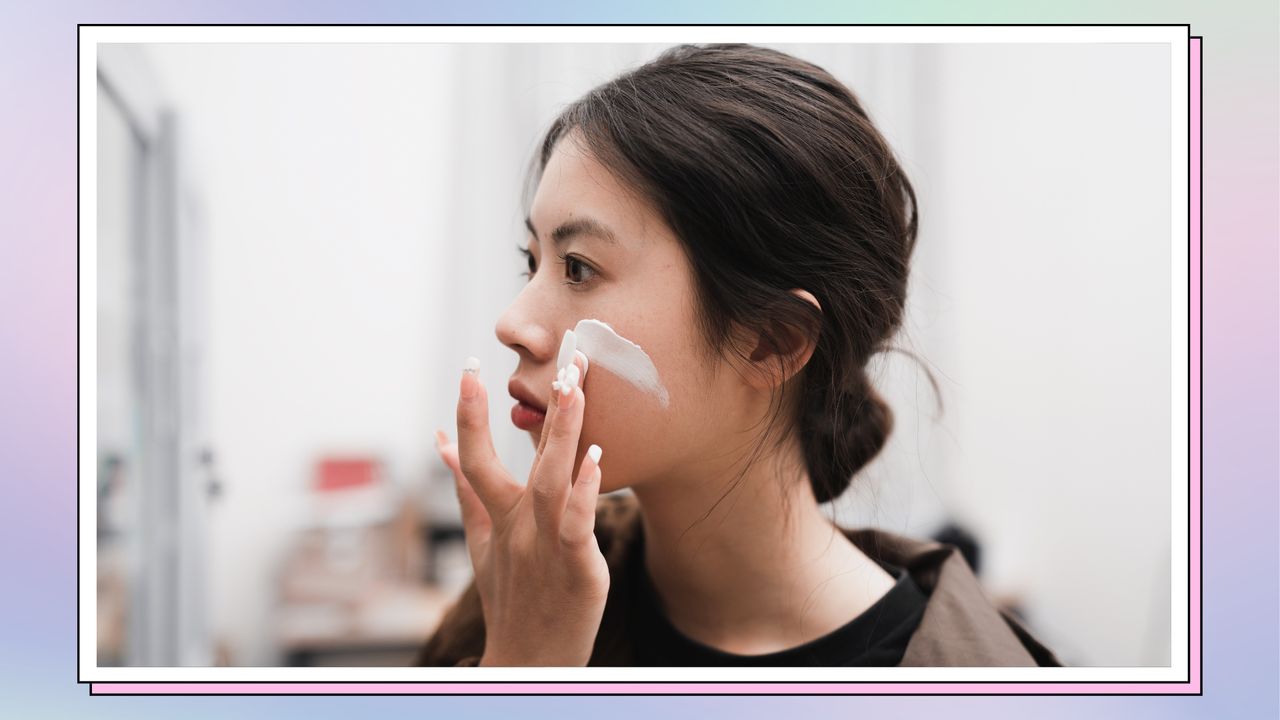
[540, 574]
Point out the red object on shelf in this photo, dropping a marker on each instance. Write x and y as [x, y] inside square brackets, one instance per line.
[345, 473]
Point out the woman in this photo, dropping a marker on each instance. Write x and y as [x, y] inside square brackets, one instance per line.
[732, 214]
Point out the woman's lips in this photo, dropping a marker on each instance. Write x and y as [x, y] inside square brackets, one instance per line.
[526, 417]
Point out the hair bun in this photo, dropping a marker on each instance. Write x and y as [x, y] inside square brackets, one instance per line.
[843, 434]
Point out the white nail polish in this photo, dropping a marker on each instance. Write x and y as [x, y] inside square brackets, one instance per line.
[594, 452]
[472, 365]
[568, 346]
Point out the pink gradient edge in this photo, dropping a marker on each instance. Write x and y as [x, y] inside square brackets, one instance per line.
[924, 688]
[625, 688]
[1195, 485]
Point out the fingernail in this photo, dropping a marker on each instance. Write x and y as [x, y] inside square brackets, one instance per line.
[470, 378]
[440, 438]
[594, 452]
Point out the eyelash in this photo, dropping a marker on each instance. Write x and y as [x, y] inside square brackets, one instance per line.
[564, 260]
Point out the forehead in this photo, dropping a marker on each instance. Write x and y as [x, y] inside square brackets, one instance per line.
[575, 184]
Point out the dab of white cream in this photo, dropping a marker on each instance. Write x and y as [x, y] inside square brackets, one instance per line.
[606, 348]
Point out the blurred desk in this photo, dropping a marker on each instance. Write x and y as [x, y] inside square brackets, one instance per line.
[356, 585]
[384, 627]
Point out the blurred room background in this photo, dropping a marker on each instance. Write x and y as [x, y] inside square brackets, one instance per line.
[298, 244]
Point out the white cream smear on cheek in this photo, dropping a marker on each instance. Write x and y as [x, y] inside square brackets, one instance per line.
[606, 348]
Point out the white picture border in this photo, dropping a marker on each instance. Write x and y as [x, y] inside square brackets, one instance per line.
[1176, 37]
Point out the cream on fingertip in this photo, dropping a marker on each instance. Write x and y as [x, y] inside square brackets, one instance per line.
[566, 379]
[594, 452]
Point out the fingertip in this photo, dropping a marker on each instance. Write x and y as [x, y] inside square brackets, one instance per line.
[473, 410]
[590, 488]
[468, 386]
[470, 383]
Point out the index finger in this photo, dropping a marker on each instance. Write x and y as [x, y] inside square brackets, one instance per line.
[551, 479]
[552, 408]
[476, 457]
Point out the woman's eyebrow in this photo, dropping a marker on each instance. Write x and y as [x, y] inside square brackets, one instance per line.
[585, 226]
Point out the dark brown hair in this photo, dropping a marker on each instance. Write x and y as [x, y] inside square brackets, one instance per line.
[773, 177]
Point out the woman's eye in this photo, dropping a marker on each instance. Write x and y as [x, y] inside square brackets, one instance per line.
[575, 268]
[533, 268]
[577, 272]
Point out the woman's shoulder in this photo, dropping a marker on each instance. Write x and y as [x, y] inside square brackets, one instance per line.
[960, 626]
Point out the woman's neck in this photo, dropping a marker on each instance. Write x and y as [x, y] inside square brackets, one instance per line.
[760, 570]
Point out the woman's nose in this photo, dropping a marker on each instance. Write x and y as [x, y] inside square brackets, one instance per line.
[519, 329]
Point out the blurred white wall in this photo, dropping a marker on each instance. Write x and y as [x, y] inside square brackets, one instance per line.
[1041, 294]
[363, 203]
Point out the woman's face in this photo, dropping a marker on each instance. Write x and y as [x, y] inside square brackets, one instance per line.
[641, 284]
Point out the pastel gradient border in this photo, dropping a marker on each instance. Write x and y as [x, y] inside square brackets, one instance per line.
[826, 688]
[38, 401]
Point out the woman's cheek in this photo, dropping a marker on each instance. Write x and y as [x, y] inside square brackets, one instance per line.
[626, 424]
[638, 433]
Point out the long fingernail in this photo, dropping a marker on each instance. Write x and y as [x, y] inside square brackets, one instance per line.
[594, 452]
[470, 378]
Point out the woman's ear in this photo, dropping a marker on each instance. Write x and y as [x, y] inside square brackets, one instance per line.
[794, 348]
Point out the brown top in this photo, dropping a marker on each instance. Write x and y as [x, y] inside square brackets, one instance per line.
[960, 626]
